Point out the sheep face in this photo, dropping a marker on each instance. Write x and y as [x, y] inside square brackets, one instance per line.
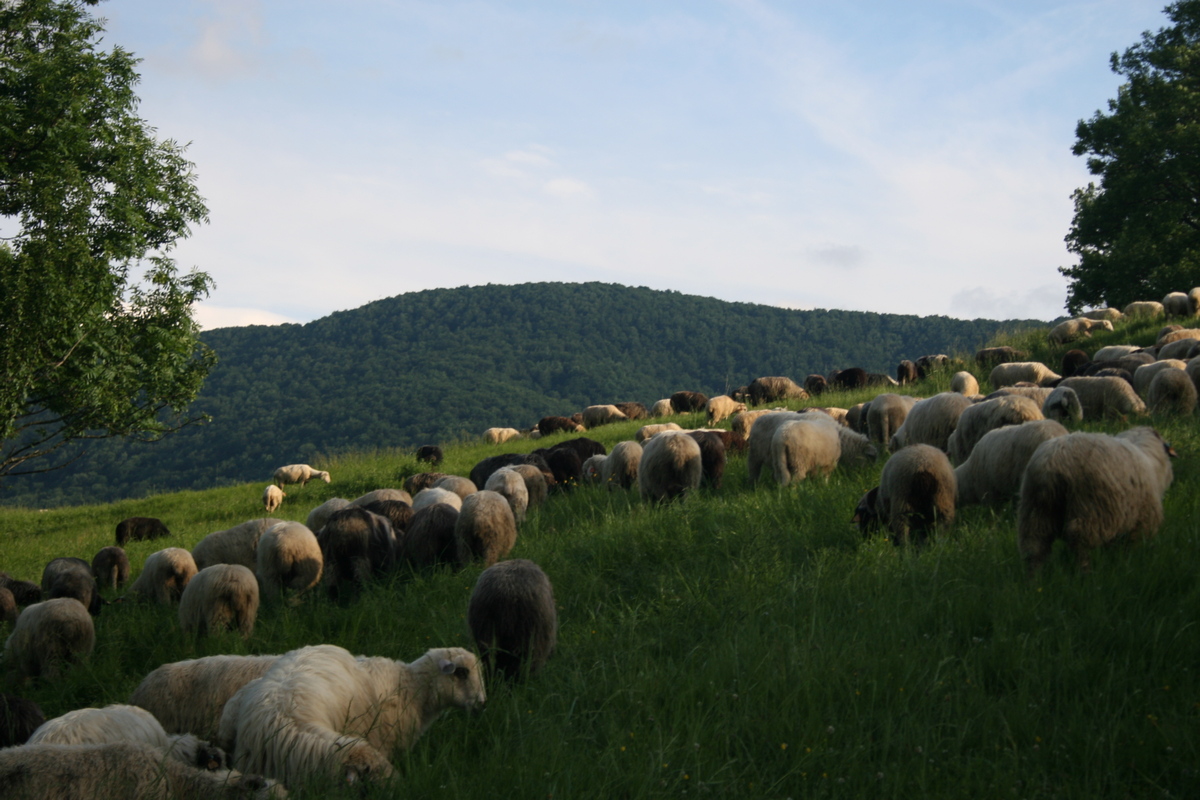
[460, 681]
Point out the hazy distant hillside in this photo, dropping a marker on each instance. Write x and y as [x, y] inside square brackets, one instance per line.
[442, 364]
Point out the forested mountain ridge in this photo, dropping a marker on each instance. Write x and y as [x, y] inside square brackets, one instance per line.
[442, 364]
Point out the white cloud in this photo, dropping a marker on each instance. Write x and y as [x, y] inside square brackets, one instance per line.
[567, 187]
[229, 40]
[210, 317]
[845, 256]
[1039, 302]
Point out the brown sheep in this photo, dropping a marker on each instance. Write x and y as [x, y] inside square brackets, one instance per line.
[513, 617]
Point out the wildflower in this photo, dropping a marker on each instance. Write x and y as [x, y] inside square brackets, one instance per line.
[783, 746]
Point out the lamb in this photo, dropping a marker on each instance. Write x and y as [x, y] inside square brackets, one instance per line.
[647, 431]
[1034, 372]
[1114, 351]
[632, 410]
[429, 453]
[722, 407]
[298, 473]
[688, 402]
[320, 515]
[321, 711]
[379, 495]
[964, 383]
[220, 597]
[917, 490]
[463, 487]
[1146, 373]
[906, 372]
[356, 546]
[430, 538]
[620, 467]
[1110, 314]
[49, 635]
[513, 618]
[549, 425]
[110, 567]
[164, 576]
[978, 419]
[428, 497]
[535, 483]
[19, 718]
[712, 457]
[500, 435]
[662, 408]
[1063, 405]
[272, 497]
[188, 696]
[886, 414]
[1172, 392]
[770, 390]
[595, 416]
[1177, 304]
[992, 474]
[931, 421]
[1105, 396]
[486, 529]
[72, 577]
[129, 770]
[1079, 327]
[289, 558]
[1089, 489]
[1144, 308]
[810, 445]
[237, 545]
[671, 466]
[509, 484]
[139, 529]
[117, 723]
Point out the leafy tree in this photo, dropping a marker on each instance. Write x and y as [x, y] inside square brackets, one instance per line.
[97, 337]
[1137, 233]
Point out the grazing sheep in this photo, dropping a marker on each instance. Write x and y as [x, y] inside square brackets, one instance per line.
[906, 373]
[429, 453]
[356, 546]
[758, 443]
[430, 538]
[1128, 362]
[770, 390]
[26, 593]
[72, 577]
[1177, 304]
[1105, 396]
[886, 414]
[743, 421]
[298, 473]
[237, 545]
[722, 407]
[137, 529]
[647, 431]
[685, 402]
[549, 425]
[1146, 373]
[428, 497]
[815, 384]
[535, 483]
[110, 567]
[866, 513]
[931, 421]
[1063, 405]
[1089, 489]
[1171, 392]
[397, 512]
[49, 635]
[422, 480]
[1073, 361]
[289, 558]
[811, 446]
[272, 497]
[632, 410]
[486, 529]
[19, 718]
[566, 464]
[1194, 300]
[595, 416]
[581, 446]
[321, 711]
[837, 414]
[964, 383]
[500, 435]
[620, 468]
[848, 379]
[319, 515]
[976, 420]
[1034, 372]
[591, 470]
[1144, 308]
[671, 466]
[662, 408]
[1110, 314]
[379, 495]
[927, 364]
[917, 489]
[857, 419]
[513, 618]
[712, 457]
[1180, 348]
[220, 597]
[509, 484]
[128, 770]
[992, 475]
[8, 608]
[1164, 330]
[164, 576]
[1112, 352]
[188, 696]
[463, 487]
[484, 469]
[1077, 328]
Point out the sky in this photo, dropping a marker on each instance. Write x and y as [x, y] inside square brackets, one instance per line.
[910, 158]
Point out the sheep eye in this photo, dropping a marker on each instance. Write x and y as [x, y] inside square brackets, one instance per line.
[461, 673]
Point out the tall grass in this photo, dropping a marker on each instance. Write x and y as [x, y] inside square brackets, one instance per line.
[743, 643]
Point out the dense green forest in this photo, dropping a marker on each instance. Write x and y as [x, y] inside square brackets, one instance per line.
[444, 364]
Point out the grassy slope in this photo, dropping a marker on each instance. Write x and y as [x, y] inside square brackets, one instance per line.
[745, 643]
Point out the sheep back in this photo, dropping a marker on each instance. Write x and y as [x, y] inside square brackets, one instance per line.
[379, 495]
[992, 474]
[486, 529]
[72, 577]
[110, 567]
[722, 407]
[164, 576]
[671, 466]
[620, 467]
[932, 421]
[713, 457]
[917, 491]
[237, 545]
[964, 382]
[220, 597]
[976, 420]
[356, 546]
[49, 635]
[511, 486]
[319, 515]
[430, 538]
[595, 416]
[886, 414]
[1034, 372]
[289, 559]
[513, 618]
[803, 447]
[138, 529]
[1105, 396]
[1171, 392]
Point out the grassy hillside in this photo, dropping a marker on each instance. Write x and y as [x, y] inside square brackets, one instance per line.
[745, 642]
[443, 365]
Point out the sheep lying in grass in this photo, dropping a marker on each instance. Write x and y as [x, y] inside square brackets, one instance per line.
[128, 770]
[917, 490]
[1077, 328]
[978, 419]
[671, 466]
[321, 711]
[19, 718]
[298, 473]
[485, 529]
[164, 576]
[1089, 489]
[272, 497]
[513, 618]
[992, 475]
[237, 545]
[931, 421]
[188, 696]
[72, 577]
[110, 567]
[220, 597]
[49, 635]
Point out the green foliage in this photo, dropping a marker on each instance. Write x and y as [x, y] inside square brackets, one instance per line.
[89, 198]
[1137, 233]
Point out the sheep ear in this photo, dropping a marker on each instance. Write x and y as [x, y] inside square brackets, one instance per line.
[446, 666]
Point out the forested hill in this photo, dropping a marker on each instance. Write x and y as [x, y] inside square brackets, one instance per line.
[438, 365]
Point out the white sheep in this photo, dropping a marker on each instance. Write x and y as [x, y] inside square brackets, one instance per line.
[722, 407]
[321, 711]
[535, 483]
[298, 473]
[648, 431]
[220, 597]
[128, 770]
[510, 485]
[670, 466]
[49, 635]
[590, 471]
[1171, 392]
[758, 443]
[1114, 351]
[1110, 314]
[188, 696]
[500, 435]
[1184, 348]
[743, 421]
[486, 529]
[1177, 304]
[379, 495]
[1022, 372]
[619, 470]
[288, 558]
[1145, 373]
[1105, 396]
[1035, 393]
[1144, 308]
[427, 497]
[1063, 405]
[978, 419]
[964, 382]
[237, 545]
[595, 416]
[164, 576]
[931, 421]
[662, 408]
[1079, 327]
[1194, 300]
[463, 487]
[815, 446]
[917, 491]
[272, 497]
[1089, 489]
[992, 475]
[886, 414]
[320, 515]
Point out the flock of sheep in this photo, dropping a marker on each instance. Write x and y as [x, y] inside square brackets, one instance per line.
[230, 725]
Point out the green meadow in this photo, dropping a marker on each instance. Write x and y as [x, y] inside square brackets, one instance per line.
[745, 642]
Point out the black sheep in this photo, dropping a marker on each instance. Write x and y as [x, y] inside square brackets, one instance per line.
[513, 618]
[139, 529]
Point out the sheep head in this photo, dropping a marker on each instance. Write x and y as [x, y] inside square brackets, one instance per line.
[459, 680]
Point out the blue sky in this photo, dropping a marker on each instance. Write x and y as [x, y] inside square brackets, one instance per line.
[877, 156]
